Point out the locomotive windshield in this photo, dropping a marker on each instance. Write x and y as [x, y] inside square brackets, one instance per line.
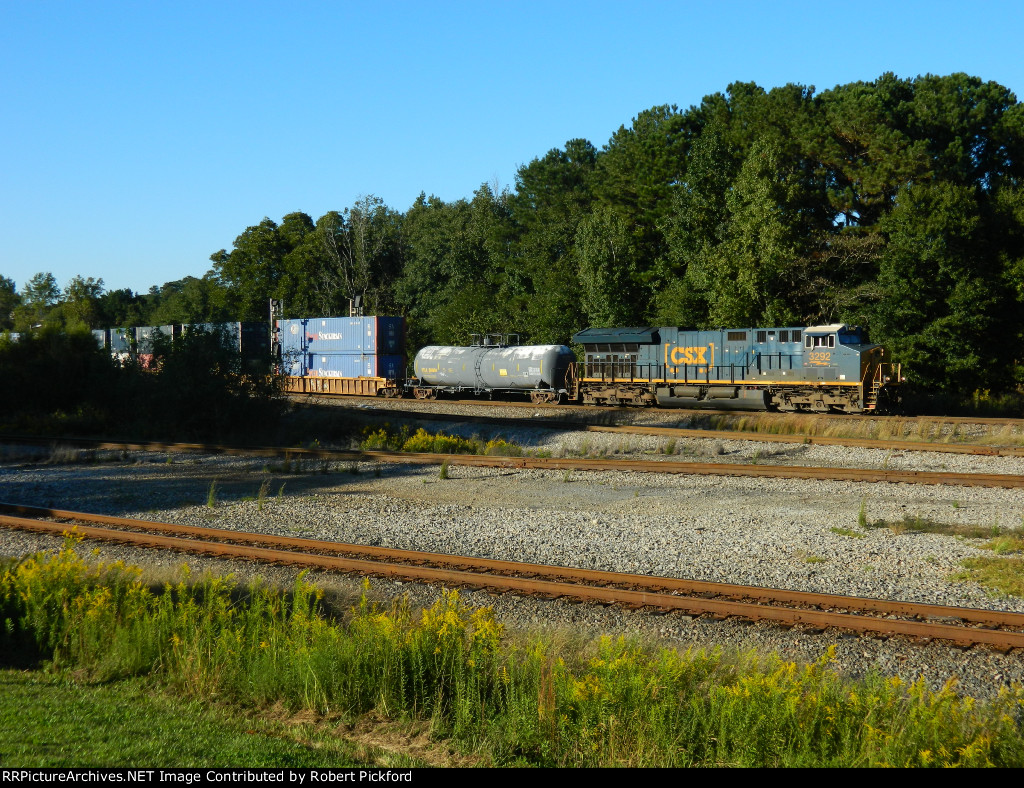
[854, 335]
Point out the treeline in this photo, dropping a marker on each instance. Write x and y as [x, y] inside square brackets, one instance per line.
[895, 204]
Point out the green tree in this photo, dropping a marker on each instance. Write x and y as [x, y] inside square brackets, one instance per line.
[9, 301]
[80, 305]
[553, 195]
[747, 278]
[942, 307]
[39, 296]
[253, 268]
[609, 267]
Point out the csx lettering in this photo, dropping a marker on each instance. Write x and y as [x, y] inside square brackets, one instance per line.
[688, 355]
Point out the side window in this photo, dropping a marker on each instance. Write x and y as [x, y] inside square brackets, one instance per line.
[831, 340]
[783, 336]
[737, 336]
[796, 337]
[762, 337]
[809, 342]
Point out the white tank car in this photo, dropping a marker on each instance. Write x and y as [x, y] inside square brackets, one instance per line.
[495, 368]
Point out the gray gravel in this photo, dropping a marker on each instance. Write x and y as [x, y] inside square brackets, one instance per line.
[766, 532]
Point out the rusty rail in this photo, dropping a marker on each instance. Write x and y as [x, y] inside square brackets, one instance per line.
[1000, 629]
[1009, 481]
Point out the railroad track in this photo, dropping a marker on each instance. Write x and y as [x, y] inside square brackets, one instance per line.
[869, 475]
[962, 626]
[605, 409]
[702, 434]
[720, 435]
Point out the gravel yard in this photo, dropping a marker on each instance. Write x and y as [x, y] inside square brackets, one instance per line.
[779, 533]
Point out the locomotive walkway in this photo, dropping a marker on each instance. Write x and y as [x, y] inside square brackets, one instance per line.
[962, 626]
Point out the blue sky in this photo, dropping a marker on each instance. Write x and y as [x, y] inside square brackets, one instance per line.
[138, 138]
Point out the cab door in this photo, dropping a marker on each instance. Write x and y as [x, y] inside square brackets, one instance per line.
[820, 361]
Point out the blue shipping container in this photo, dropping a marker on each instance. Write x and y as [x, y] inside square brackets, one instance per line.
[332, 335]
[356, 365]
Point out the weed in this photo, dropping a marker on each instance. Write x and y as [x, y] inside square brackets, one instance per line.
[862, 515]
[848, 532]
[261, 496]
[885, 462]
[956, 504]
[912, 523]
[1003, 545]
[1002, 575]
[670, 446]
[814, 559]
[537, 701]
[443, 473]
[211, 495]
[280, 491]
[353, 468]
[566, 475]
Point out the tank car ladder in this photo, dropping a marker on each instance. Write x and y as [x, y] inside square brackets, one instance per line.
[476, 374]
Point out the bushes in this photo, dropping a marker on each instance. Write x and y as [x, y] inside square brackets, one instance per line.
[618, 703]
[63, 383]
[385, 439]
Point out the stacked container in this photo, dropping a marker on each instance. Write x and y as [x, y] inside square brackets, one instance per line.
[249, 339]
[343, 347]
[144, 342]
[121, 340]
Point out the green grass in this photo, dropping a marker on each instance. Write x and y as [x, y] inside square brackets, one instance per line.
[848, 532]
[453, 671]
[51, 721]
[935, 430]
[914, 524]
[1002, 574]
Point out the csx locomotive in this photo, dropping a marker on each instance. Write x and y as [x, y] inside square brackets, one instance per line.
[815, 368]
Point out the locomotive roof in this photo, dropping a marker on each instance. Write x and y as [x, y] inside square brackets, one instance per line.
[643, 335]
